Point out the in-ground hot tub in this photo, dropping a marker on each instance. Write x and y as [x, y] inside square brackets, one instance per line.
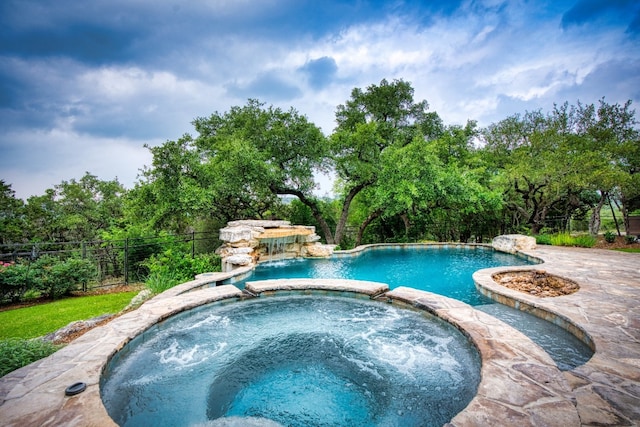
[295, 360]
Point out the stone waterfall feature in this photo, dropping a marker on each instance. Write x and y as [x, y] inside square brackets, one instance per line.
[248, 242]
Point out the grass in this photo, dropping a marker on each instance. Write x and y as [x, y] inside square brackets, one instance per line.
[19, 325]
[39, 320]
[632, 250]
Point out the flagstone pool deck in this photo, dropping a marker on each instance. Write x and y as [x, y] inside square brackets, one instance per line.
[520, 385]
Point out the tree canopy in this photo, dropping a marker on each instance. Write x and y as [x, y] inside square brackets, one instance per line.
[401, 174]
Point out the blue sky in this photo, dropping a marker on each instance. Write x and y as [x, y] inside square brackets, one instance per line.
[85, 84]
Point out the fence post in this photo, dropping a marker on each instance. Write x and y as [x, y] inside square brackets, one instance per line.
[84, 256]
[193, 244]
[126, 261]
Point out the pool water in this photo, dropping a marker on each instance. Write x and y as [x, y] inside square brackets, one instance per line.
[295, 360]
[567, 351]
[444, 270]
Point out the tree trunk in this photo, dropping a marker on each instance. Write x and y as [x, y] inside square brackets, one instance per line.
[315, 210]
[342, 221]
[613, 213]
[372, 216]
[534, 205]
[407, 225]
[537, 220]
[625, 212]
[594, 221]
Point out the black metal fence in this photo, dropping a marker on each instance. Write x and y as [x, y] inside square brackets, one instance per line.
[117, 261]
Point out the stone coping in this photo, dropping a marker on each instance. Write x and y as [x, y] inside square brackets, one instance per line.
[604, 313]
[520, 384]
[35, 394]
[519, 381]
[435, 245]
[265, 287]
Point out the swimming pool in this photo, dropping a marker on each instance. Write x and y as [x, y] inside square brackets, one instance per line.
[443, 269]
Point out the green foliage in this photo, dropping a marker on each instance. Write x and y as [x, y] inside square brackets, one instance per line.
[566, 239]
[16, 353]
[173, 191]
[254, 153]
[12, 226]
[562, 239]
[544, 239]
[299, 213]
[55, 277]
[609, 236]
[48, 275]
[546, 163]
[141, 243]
[74, 210]
[630, 239]
[15, 281]
[41, 319]
[176, 265]
[585, 241]
[402, 174]
[158, 281]
[371, 123]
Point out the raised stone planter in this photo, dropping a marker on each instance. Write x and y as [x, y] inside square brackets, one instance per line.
[536, 282]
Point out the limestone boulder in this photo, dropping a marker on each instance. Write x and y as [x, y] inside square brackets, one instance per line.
[312, 238]
[513, 243]
[235, 235]
[239, 259]
[258, 223]
[319, 250]
[227, 251]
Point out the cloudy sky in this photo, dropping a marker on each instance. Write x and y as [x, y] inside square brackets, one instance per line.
[85, 84]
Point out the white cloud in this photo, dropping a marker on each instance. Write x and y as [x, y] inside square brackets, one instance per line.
[484, 61]
[54, 156]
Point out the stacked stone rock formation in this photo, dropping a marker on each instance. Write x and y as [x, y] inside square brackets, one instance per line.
[248, 242]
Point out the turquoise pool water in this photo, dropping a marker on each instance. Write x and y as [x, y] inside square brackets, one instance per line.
[317, 361]
[442, 269]
[297, 361]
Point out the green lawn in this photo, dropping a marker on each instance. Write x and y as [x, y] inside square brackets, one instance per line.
[35, 321]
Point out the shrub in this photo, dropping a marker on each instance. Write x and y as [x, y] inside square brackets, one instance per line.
[159, 282]
[609, 237]
[585, 241]
[15, 281]
[543, 239]
[565, 239]
[562, 239]
[630, 239]
[176, 265]
[48, 275]
[16, 353]
[54, 277]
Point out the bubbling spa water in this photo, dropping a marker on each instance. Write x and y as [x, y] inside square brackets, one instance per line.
[294, 360]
